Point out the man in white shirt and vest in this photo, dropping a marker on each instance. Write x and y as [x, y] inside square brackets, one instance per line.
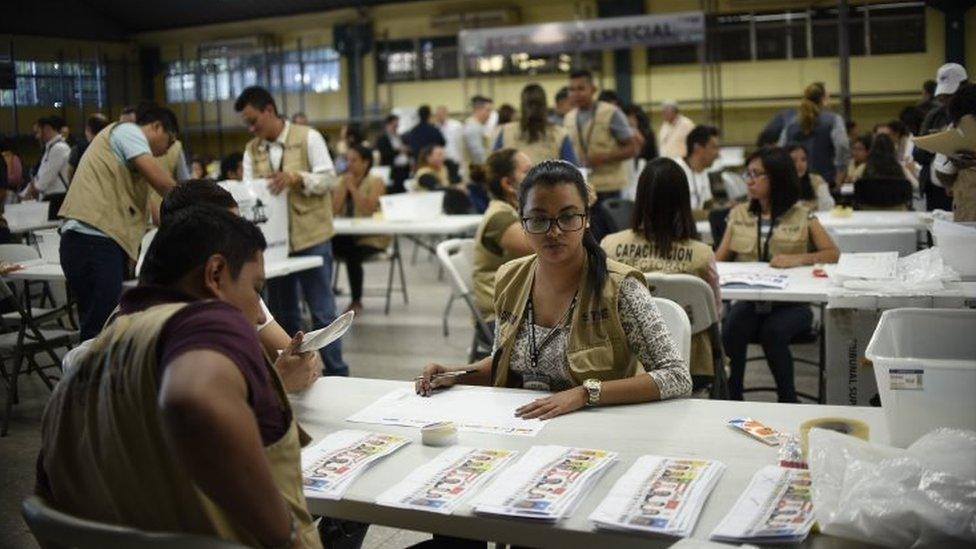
[673, 132]
[53, 174]
[703, 149]
[603, 140]
[475, 133]
[293, 157]
[453, 136]
[105, 210]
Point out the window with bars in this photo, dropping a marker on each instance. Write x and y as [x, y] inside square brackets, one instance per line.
[55, 84]
[875, 29]
[314, 70]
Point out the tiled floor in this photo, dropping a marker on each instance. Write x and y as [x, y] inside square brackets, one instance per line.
[378, 346]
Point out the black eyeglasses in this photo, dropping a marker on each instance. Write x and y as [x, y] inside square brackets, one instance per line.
[567, 222]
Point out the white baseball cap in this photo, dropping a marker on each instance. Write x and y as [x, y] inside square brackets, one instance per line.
[949, 77]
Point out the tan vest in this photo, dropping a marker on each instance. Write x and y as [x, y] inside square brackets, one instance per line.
[813, 204]
[310, 216]
[106, 456]
[167, 163]
[369, 185]
[106, 194]
[791, 234]
[688, 257]
[486, 262]
[964, 196]
[597, 346]
[546, 148]
[596, 137]
[440, 174]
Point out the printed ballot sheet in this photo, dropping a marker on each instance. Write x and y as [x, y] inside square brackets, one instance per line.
[330, 466]
[546, 483]
[470, 408]
[441, 485]
[776, 507]
[776, 281]
[659, 494]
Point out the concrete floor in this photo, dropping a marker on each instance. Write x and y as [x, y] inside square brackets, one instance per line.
[394, 346]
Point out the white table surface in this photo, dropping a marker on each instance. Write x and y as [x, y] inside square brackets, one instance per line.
[38, 270]
[440, 224]
[682, 428]
[806, 288]
[857, 220]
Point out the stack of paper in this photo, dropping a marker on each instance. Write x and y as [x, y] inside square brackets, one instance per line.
[546, 483]
[443, 484]
[330, 466]
[775, 508]
[776, 281]
[472, 409]
[659, 494]
[867, 266]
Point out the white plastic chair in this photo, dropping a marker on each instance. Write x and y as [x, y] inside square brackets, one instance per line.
[456, 256]
[697, 299]
[678, 325]
[53, 528]
[143, 248]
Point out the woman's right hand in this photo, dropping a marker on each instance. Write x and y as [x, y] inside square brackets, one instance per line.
[426, 384]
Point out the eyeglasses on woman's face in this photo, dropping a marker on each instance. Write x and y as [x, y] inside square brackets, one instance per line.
[567, 222]
[754, 174]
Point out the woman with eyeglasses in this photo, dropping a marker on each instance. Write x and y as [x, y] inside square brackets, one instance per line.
[568, 320]
[772, 227]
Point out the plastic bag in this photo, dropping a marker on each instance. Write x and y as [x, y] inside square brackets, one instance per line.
[923, 495]
[918, 273]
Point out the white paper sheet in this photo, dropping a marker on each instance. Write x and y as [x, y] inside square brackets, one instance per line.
[545, 484]
[330, 465]
[776, 507]
[659, 495]
[755, 280]
[441, 485]
[871, 266]
[314, 341]
[470, 408]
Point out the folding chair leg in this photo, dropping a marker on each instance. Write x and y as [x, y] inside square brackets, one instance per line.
[11, 395]
[447, 311]
[822, 361]
[403, 275]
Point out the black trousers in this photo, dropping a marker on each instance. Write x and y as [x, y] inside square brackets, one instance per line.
[94, 268]
[353, 254]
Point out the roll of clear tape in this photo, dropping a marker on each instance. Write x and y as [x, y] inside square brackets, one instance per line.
[443, 433]
[852, 427]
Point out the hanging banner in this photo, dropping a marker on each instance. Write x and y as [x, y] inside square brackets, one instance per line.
[593, 34]
[268, 211]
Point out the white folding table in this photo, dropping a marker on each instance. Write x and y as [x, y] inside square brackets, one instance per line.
[690, 428]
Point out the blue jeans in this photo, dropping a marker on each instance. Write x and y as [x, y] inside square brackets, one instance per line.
[773, 329]
[94, 268]
[316, 288]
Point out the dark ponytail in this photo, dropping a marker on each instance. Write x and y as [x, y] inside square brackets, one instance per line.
[560, 172]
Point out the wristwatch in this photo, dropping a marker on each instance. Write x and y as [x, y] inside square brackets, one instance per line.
[592, 387]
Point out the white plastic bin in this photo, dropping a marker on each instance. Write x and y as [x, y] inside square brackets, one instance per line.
[925, 366]
[416, 206]
[957, 245]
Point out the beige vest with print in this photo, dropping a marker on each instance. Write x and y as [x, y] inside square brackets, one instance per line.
[440, 174]
[486, 262]
[791, 234]
[106, 194]
[596, 137]
[688, 257]
[167, 163]
[309, 216]
[546, 148]
[369, 185]
[122, 471]
[597, 347]
[964, 196]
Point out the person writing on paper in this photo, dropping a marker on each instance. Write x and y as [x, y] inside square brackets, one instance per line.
[187, 428]
[663, 239]
[358, 195]
[814, 191]
[771, 227]
[568, 320]
[499, 238]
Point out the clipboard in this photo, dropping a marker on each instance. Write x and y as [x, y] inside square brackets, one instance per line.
[951, 141]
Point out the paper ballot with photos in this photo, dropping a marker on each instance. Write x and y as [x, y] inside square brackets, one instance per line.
[661, 495]
[332, 464]
[776, 507]
[546, 483]
[444, 483]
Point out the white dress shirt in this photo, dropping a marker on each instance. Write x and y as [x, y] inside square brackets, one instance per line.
[698, 185]
[52, 175]
[452, 131]
[322, 175]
